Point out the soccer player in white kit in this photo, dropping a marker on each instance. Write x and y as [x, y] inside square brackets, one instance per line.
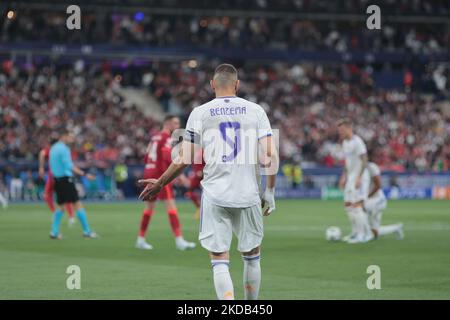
[355, 182]
[3, 201]
[236, 137]
[376, 203]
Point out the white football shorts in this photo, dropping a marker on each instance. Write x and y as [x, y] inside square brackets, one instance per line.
[353, 194]
[217, 225]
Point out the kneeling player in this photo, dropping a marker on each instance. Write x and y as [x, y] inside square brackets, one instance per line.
[376, 203]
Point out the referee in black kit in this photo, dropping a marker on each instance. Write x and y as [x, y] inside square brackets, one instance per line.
[62, 167]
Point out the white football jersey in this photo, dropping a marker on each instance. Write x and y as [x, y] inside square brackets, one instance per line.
[228, 129]
[374, 171]
[353, 148]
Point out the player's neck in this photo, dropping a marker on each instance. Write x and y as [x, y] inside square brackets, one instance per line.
[225, 94]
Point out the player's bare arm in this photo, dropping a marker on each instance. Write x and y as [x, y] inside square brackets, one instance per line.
[42, 163]
[81, 173]
[343, 178]
[376, 186]
[269, 161]
[364, 161]
[181, 162]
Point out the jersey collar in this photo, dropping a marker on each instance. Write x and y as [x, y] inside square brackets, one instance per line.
[226, 97]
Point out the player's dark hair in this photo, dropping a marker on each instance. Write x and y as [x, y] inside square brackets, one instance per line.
[344, 122]
[225, 76]
[226, 68]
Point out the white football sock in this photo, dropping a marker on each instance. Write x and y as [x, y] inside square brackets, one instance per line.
[252, 276]
[351, 218]
[361, 221]
[392, 228]
[179, 240]
[222, 280]
[3, 201]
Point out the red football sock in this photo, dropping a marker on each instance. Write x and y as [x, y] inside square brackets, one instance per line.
[194, 198]
[146, 216]
[174, 222]
[69, 208]
[49, 199]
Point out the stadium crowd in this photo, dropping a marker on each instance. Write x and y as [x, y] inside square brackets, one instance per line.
[405, 128]
[37, 101]
[224, 32]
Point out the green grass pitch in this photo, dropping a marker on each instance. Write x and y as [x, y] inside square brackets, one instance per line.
[297, 262]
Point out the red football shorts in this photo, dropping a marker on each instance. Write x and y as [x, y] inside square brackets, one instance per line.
[166, 192]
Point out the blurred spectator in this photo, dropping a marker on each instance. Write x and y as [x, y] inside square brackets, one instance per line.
[40, 185]
[3, 192]
[293, 172]
[393, 182]
[16, 186]
[121, 176]
[309, 183]
[30, 187]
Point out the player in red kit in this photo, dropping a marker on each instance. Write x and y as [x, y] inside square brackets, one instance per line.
[157, 160]
[50, 185]
[192, 182]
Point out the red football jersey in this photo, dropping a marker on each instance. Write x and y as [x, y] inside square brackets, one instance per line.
[158, 157]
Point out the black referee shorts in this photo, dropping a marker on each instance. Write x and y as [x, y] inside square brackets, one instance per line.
[65, 190]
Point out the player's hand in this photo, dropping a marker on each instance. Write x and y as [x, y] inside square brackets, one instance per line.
[342, 182]
[358, 182]
[268, 201]
[41, 172]
[152, 188]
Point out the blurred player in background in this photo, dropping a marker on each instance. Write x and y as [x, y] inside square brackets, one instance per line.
[231, 200]
[50, 183]
[355, 182]
[376, 203]
[157, 160]
[63, 169]
[3, 198]
[192, 183]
